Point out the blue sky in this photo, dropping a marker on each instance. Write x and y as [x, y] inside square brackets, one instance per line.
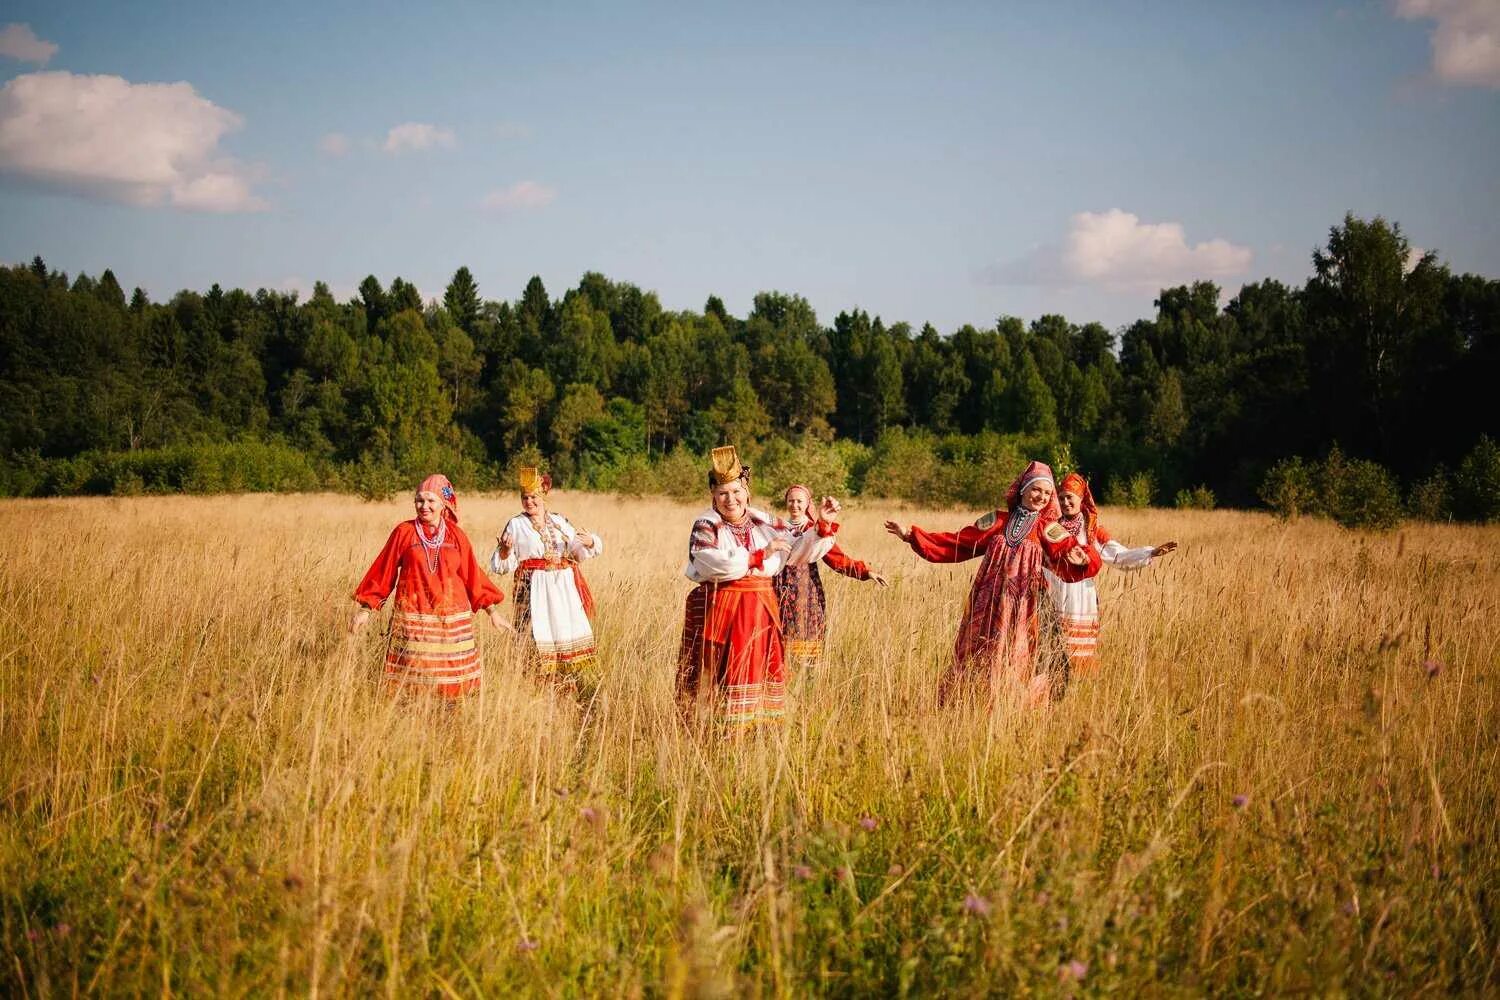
[948, 164]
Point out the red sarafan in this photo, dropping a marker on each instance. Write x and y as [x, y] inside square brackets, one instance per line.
[998, 634]
[428, 565]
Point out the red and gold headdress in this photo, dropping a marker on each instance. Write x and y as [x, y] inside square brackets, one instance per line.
[534, 480]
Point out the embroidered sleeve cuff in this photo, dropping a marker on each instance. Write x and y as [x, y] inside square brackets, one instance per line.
[827, 528]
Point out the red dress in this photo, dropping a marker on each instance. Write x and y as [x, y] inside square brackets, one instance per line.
[997, 636]
[438, 588]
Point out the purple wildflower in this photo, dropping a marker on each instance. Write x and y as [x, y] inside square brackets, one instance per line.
[895, 871]
[1073, 970]
[868, 823]
[589, 814]
[976, 905]
[803, 872]
[527, 944]
[1433, 668]
[1240, 801]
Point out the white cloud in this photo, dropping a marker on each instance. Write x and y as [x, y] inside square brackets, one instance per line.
[1116, 250]
[150, 144]
[19, 42]
[333, 144]
[1466, 41]
[413, 136]
[521, 196]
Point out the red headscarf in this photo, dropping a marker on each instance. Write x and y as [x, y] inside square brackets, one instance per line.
[1034, 471]
[1077, 485]
[438, 483]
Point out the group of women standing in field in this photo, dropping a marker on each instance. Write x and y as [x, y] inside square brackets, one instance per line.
[757, 610]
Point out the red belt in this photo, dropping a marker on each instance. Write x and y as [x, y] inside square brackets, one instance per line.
[584, 595]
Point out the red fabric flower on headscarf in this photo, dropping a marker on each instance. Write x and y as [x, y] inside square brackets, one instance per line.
[1078, 486]
[438, 483]
[1034, 471]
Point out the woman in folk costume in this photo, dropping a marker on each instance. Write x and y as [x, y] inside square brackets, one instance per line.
[430, 565]
[799, 588]
[731, 632]
[553, 604]
[1077, 601]
[997, 637]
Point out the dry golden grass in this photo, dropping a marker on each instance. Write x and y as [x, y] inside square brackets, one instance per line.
[206, 791]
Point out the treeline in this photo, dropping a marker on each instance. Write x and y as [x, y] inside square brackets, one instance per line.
[1383, 354]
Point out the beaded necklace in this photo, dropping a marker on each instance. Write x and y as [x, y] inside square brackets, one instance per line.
[551, 536]
[431, 550]
[1019, 525]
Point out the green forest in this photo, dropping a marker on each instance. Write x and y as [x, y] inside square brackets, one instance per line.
[1359, 394]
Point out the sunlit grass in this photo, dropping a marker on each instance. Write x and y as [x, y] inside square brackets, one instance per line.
[1281, 778]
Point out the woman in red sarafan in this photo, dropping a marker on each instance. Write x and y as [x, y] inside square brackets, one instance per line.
[998, 634]
[731, 630]
[799, 587]
[430, 565]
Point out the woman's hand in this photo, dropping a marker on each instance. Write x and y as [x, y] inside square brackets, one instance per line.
[877, 578]
[588, 540]
[829, 509]
[358, 619]
[502, 545]
[902, 533]
[498, 620]
[779, 546]
[1077, 556]
[1163, 549]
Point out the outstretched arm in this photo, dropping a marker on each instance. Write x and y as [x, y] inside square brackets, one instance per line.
[944, 546]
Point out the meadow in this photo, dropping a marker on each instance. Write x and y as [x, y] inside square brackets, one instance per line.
[1282, 777]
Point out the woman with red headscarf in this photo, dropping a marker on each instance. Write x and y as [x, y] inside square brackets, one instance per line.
[553, 605]
[731, 629]
[430, 565]
[997, 638]
[1077, 600]
[799, 588]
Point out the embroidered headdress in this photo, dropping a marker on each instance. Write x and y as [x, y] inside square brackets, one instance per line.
[1018, 525]
[438, 483]
[727, 467]
[1078, 486]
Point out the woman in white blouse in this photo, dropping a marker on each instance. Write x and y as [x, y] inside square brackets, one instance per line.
[553, 603]
[731, 631]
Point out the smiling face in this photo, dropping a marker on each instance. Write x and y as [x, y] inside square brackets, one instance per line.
[1071, 502]
[796, 505]
[429, 507]
[731, 501]
[534, 503]
[1037, 495]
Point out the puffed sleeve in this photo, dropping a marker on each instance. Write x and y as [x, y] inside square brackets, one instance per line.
[709, 563]
[481, 590]
[1057, 542]
[810, 546]
[380, 579]
[1120, 557]
[839, 562]
[967, 543]
[510, 562]
[576, 549]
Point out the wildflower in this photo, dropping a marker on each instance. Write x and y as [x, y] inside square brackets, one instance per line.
[976, 905]
[589, 814]
[1073, 970]
[292, 882]
[868, 823]
[526, 945]
[1043, 898]
[1433, 668]
[895, 871]
[31, 935]
[803, 872]
[1240, 801]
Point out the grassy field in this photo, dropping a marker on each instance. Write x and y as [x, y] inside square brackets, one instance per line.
[1282, 778]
